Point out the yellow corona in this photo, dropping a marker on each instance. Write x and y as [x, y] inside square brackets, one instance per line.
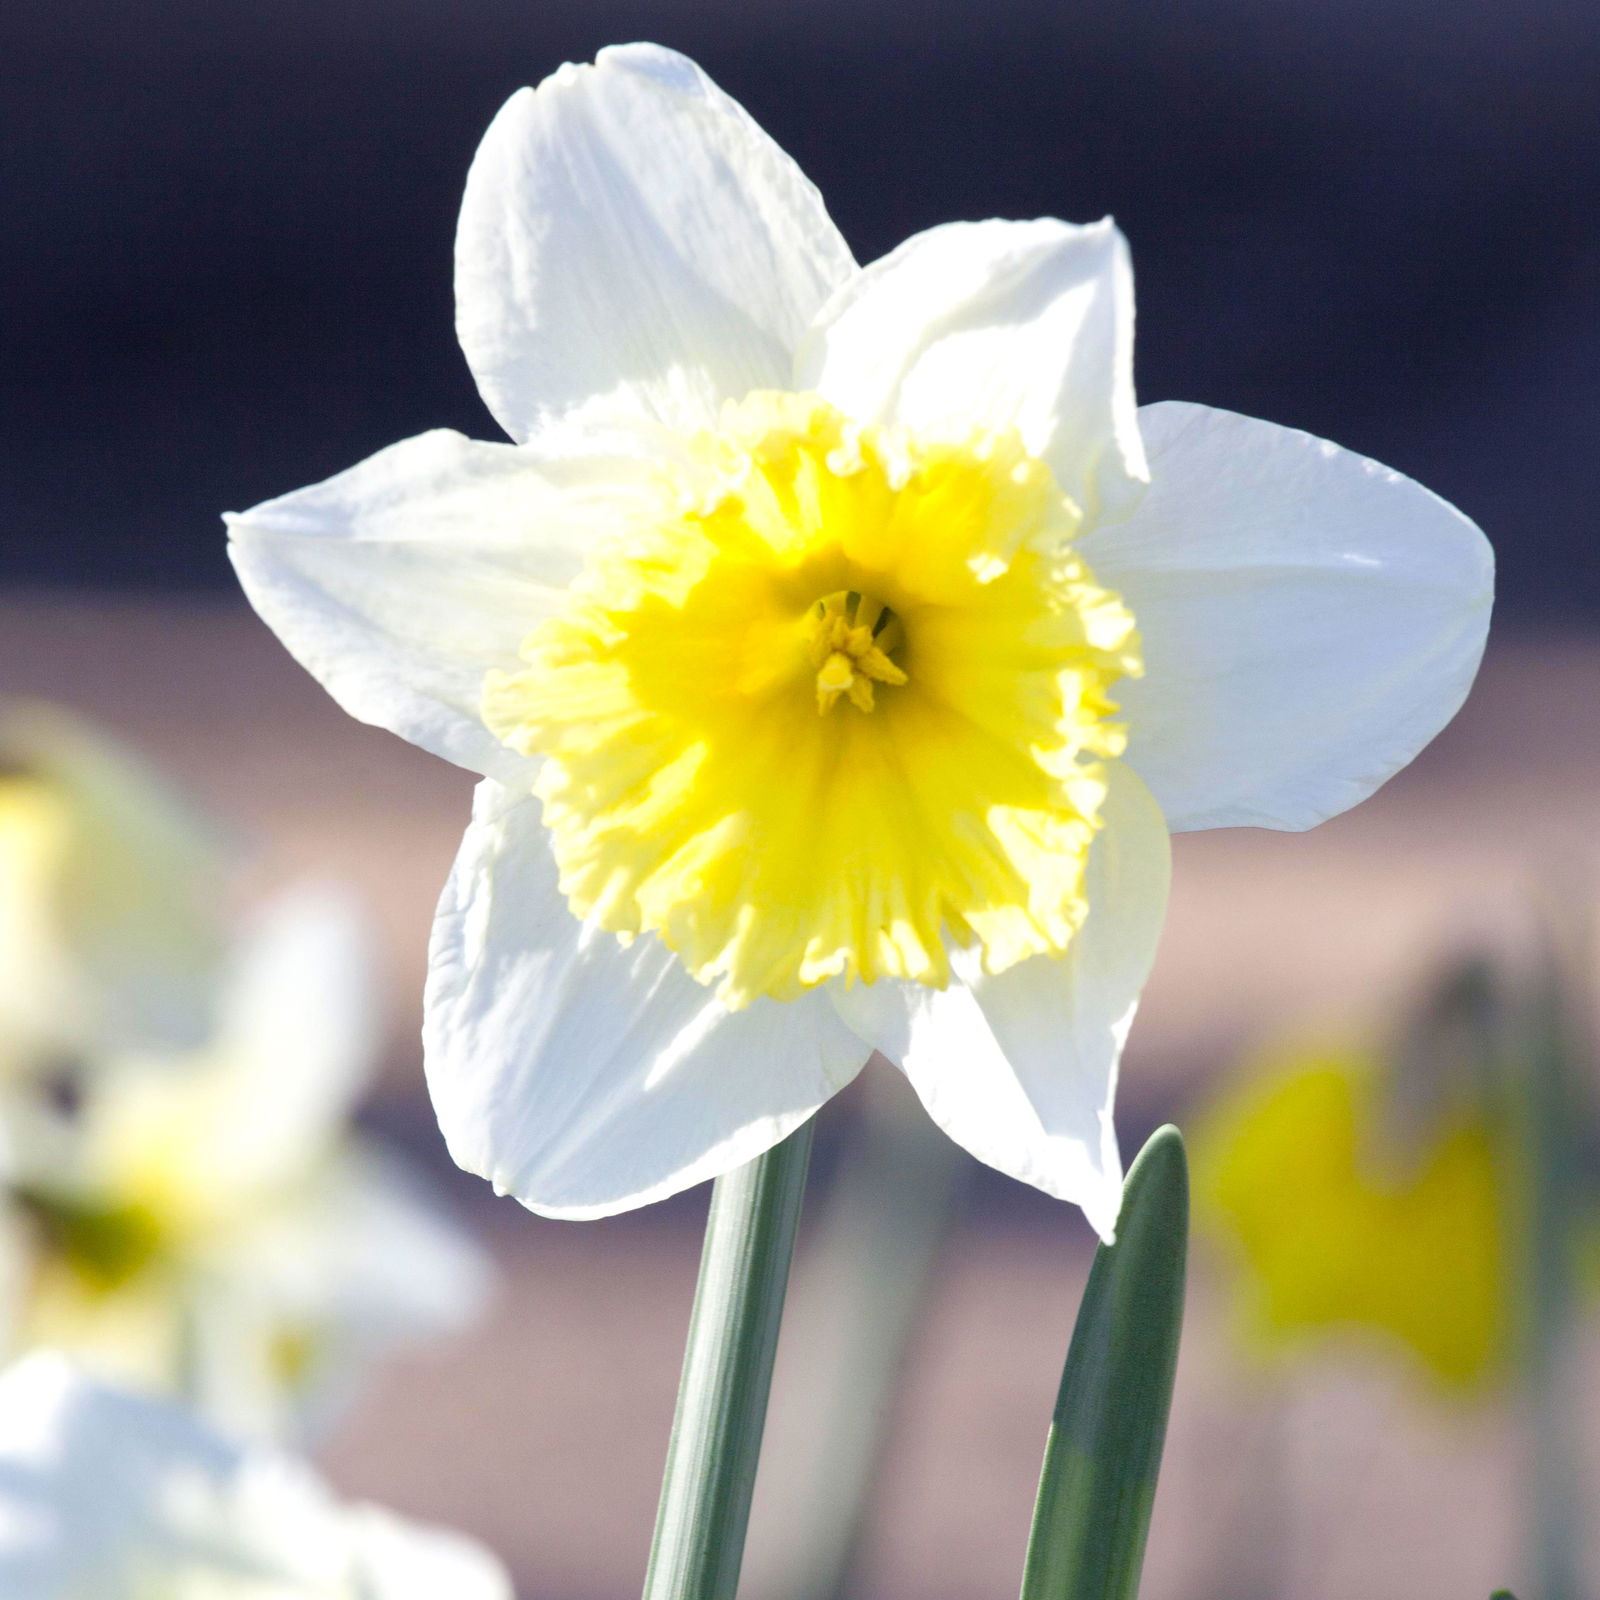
[836, 703]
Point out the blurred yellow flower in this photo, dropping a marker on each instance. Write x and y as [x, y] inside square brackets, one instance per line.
[110, 898]
[1335, 1226]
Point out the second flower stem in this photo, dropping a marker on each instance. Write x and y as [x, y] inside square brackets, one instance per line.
[727, 1373]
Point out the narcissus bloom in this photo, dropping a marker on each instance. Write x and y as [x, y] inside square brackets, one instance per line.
[205, 1224]
[1334, 1231]
[108, 1495]
[838, 646]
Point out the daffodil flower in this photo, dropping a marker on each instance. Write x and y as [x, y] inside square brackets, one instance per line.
[109, 1495]
[206, 1224]
[110, 932]
[1333, 1232]
[838, 645]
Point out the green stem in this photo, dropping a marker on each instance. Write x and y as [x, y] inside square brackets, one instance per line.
[1552, 1115]
[855, 1311]
[727, 1373]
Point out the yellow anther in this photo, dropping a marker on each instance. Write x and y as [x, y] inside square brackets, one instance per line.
[836, 676]
[848, 653]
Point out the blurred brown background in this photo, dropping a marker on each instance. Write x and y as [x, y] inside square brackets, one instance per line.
[544, 1430]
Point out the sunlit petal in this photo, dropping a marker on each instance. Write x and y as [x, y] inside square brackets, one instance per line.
[585, 1077]
[630, 237]
[1021, 1068]
[400, 582]
[1310, 620]
[1025, 325]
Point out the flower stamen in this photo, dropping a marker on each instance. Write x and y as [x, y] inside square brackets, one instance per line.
[851, 637]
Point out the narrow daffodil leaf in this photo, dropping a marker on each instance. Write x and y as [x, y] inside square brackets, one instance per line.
[1104, 1449]
[1502, 1594]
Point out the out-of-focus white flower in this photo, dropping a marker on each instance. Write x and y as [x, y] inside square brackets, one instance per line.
[208, 1224]
[111, 916]
[109, 1496]
[839, 646]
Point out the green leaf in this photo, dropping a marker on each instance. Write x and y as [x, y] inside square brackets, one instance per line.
[1104, 1451]
[1502, 1594]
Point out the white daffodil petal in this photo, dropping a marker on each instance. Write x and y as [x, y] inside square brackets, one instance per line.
[1021, 1068]
[587, 1078]
[396, 1266]
[259, 1108]
[304, 1297]
[402, 1560]
[299, 1040]
[628, 232]
[117, 1496]
[401, 581]
[1009, 324]
[1310, 620]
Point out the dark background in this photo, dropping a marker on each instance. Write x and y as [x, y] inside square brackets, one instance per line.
[227, 228]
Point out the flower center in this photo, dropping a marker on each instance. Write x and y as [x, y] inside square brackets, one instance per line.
[702, 780]
[852, 636]
[103, 1245]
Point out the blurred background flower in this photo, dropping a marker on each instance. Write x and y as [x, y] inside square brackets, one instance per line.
[1343, 1219]
[1427, 1187]
[111, 899]
[109, 1495]
[199, 1217]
